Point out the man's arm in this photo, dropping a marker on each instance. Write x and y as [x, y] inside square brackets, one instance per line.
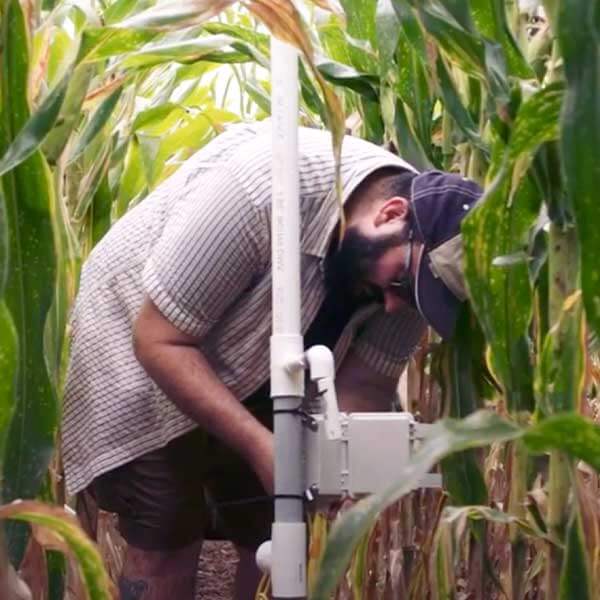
[174, 362]
[361, 389]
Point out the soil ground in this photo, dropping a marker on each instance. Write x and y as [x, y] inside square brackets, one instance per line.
[216, 571]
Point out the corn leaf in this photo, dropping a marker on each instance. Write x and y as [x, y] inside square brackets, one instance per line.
[96, 123]
[575, 577]
[489, 17]
[453, 104]
[569, 432]
[453, 514]
[36, 129]
[502, 298]
[537, 120]
[463, 360]
[578, 34]
[175, 15]
[183, 51]
[105, 42]
[55, 142]
[348, 77]
[8, 338]
[61, 530]
[388, 31]
[31, 278]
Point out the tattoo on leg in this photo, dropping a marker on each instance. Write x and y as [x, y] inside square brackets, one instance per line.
[132, 589]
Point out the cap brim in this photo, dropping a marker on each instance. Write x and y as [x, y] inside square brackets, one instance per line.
[436, 303]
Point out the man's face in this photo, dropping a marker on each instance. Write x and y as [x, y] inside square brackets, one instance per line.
[392, 275]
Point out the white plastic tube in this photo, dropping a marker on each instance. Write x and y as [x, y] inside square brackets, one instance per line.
[287, 376]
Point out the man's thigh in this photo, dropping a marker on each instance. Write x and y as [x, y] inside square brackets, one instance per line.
[159, 497]
[193, 488]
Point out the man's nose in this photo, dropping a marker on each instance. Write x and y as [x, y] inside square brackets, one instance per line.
[391, 302]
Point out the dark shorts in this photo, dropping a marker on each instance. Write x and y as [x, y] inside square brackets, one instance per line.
[194, 488]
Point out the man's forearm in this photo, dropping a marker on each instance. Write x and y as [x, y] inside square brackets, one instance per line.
[183, 373]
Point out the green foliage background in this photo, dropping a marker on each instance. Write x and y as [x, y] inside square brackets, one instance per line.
[99, 105]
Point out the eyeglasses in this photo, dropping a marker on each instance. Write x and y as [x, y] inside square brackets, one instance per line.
[402, 287]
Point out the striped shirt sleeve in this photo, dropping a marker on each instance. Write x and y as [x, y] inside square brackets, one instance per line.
[386, 341]
[209, 258]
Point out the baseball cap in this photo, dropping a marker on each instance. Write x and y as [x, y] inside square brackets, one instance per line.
[440, 201]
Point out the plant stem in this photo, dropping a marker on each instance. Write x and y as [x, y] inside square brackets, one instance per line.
[563, 282]
[516, 507]
[559, 488]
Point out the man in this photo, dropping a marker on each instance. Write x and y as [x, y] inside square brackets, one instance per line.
[167, 410]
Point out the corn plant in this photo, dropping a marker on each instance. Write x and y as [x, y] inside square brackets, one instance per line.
[510, 100]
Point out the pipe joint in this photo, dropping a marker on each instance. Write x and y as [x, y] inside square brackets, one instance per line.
[322, 372]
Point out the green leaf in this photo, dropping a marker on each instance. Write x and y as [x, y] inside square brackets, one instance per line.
[408, 144]
[460, 45]
[578, 33]
[502, 298]
[411, 27]
[537, 120]
[454, 105]
[118, 10]
[388, 30]
[66, 528]
[30, 206]
[185, 51]
[8, 338]
[343, 75]
[561, 367]
[101, 209]
[94, 169]
[575, 577]
[8, 368]
[453, 514]
[569, 432]
[360, 16]
[489, 17]
[158, 118]
[70, 112]
[259, 40]
[132, 183]
[36, 129]
[176, 14]
[106, 42]
[96, 123]
[448, 436]
[463, 359]
[259, 96]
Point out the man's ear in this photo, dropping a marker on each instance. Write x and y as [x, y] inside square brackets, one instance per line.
[393, 209]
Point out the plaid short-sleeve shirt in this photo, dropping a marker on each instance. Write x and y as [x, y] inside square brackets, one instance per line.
[199, 246]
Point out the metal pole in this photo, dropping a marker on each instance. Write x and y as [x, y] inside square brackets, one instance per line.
[288, 572]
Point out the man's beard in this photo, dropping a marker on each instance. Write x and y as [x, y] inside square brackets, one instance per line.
[348, 267]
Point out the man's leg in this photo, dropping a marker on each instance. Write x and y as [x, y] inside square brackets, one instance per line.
[159, 574]
[159, 499]
[247, 576]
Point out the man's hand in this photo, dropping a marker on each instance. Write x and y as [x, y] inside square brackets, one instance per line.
[174, 361]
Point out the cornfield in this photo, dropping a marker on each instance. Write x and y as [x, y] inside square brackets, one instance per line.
[101, 101]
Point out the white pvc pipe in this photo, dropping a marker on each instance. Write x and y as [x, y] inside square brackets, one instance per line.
[288, 575]
[286, 213]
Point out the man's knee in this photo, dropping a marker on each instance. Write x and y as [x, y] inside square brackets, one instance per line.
[156, 563]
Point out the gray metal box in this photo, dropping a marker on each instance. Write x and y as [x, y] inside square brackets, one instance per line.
[374, 447]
